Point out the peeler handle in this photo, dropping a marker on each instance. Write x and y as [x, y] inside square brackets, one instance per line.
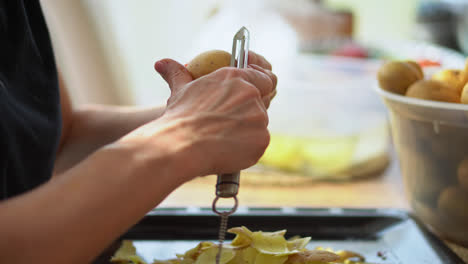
[227, 185]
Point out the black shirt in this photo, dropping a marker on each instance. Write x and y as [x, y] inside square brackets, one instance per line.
[30, 118]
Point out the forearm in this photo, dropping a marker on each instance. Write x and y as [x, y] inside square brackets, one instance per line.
[95, 126]
[72, 218]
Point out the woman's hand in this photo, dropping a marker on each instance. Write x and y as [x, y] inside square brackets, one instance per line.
[215, 124]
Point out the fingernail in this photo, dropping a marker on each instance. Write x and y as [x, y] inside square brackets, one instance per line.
[160, 66]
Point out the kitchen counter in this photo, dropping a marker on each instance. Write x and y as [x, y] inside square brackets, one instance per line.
[383, 191]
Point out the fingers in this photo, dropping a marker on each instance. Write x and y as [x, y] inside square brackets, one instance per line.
[270, 74]
[174, 73]
[267, 98]
[259, 60]
[261, 80]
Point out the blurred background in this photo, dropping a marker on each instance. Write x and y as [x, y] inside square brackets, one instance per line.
[118, 41]
[327, 122]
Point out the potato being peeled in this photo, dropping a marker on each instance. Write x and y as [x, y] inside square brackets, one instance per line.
[208, 62]
[433, 90]
[397, 76]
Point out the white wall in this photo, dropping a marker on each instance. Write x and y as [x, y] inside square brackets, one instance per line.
[106, 48]
[79, 53]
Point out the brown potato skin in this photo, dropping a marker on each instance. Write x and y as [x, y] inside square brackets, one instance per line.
[464, 75]
[416, 67]
[397, 76]
[433, 90]
[452, 77]
[452, 203]
[464, 95]
[208, 62]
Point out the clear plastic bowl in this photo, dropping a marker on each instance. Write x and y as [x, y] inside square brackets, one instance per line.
[431, 140]
[325, 123]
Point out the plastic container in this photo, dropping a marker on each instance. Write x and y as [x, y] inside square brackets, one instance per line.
[326, 122]
[431, 140]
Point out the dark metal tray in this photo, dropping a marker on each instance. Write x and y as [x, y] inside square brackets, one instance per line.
[383, 236]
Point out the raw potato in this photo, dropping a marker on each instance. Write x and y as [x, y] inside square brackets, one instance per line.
[453, 78]
[397, 76]
[424, 178]
[464, 75]
[464, 95]
[463, 174]
[452, 203]
[443, 225]
[433, 90]
[208, 62]
[417, 67]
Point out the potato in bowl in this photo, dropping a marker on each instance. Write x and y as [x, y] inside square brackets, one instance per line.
[429, 124]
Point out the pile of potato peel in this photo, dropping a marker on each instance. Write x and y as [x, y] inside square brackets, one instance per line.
[249, 248]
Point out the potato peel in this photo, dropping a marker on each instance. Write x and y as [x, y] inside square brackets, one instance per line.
[270, 243]
[255, 248]
[312, 256]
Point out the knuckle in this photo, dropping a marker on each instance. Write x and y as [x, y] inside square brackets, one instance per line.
[237, 81]
[251, 91]
[231, 72]
[262, 61]
[244, 88]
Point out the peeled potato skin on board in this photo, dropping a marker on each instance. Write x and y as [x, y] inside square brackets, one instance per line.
[208, 62]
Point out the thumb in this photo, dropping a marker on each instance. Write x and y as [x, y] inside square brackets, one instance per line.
[174, 73]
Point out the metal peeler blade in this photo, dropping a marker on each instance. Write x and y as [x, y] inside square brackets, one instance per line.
[240, 48]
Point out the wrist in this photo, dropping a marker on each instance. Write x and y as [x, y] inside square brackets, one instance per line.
[163, 151]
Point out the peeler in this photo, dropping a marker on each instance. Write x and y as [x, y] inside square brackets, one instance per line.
[227, 185]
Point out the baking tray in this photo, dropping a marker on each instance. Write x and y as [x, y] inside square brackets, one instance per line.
[383, 236]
